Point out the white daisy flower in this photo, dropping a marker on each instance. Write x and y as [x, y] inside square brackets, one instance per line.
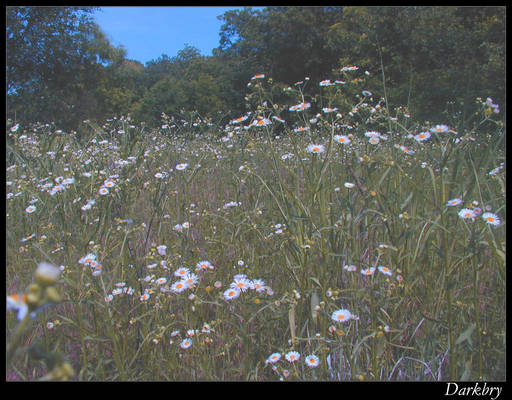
[315, 148]
[300, 107]
[439, 128]
[454, 202]
[18, 303]
[467, 213]
[232, 293]
[342, 139]
[261, 122]
[342, 315]
[179, 286]
[422, 136]
[273, 358]
[292, 356]
[191, 279]
[161, 249]
[371, 134]
[385, 270]
[368, 271]
[312, 361]
[181, 272]
[161, 281]
[258, 285]
[241, 283]
[491, 218]
[204, 265]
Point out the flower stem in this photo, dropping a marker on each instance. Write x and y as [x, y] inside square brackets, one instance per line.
[11, 349]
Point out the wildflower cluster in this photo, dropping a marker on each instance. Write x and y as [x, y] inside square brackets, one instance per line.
[323, 219]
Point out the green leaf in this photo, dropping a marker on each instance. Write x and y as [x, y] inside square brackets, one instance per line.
[96, 339]
[383, 177]
[316, 281]
[315, 301]
[291, 321]
[359, 343]
[468, 368]
[466, 335]
[406, 201]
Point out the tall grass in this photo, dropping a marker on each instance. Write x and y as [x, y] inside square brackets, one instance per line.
[359, 222]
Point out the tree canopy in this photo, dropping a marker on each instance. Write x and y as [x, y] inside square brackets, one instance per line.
[61, 67]
[56, 56]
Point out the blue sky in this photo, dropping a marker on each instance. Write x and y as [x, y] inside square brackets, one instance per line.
[149, 32]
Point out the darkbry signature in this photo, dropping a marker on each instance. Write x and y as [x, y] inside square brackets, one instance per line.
[455, 389]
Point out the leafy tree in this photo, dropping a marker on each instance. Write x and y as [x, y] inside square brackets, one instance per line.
[288, 43]
[62, 68]
[55, 56]
[120, 88]
[165, 65]
[430, 55]
[191, 83]
[157, 69]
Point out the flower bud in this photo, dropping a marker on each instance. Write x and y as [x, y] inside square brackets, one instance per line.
[52, 294]
[63, 372]
[34, 293]
[47, 274]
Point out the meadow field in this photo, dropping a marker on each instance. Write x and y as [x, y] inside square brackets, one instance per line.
[326, 239]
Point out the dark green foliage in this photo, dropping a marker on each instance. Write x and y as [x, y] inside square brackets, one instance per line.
[431, 55]
[288, 43]
[189, 82]
[62, 68]
[56, 57]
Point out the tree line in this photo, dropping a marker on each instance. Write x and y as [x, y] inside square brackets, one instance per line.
[62, 69]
